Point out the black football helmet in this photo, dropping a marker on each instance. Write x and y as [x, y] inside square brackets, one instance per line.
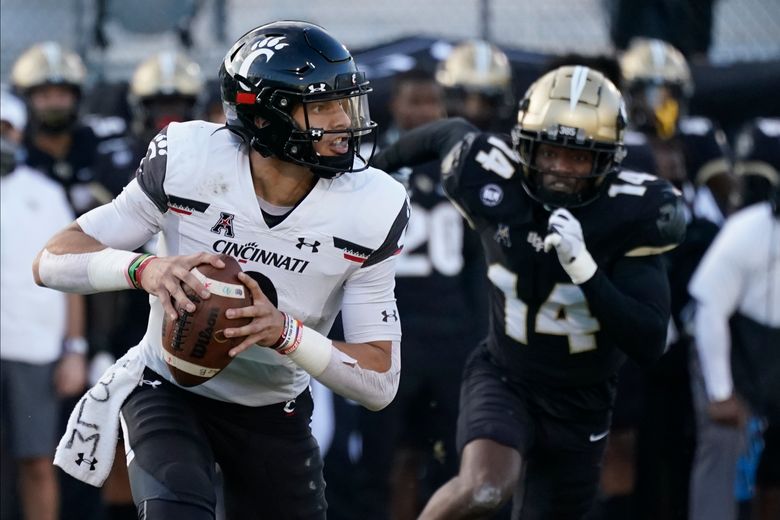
[573, 107]
[277, 67]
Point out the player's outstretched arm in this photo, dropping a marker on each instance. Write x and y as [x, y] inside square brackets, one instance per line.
[423, 144]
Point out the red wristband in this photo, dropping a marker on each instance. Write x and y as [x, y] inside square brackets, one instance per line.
[141, 268]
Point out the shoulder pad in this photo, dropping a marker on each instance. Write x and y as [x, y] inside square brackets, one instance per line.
[481, 157]
[661, 220]
[706, 149]
[106, 127]
[695, 125]
[151, 172]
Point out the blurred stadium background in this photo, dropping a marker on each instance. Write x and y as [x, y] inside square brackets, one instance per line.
[733, 45]
[114, 35]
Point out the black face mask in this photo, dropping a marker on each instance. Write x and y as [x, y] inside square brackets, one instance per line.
[54, 121]
[8, 150]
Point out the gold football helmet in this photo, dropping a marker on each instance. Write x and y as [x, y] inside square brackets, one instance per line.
[474, 70]
[168, 73]
[164, 88]
[47, 63]
[658, 82]
[573, 107]
[478, 66]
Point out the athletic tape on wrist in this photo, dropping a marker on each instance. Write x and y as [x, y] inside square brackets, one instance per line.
[85, 273]
[313, 352]
[582, 268]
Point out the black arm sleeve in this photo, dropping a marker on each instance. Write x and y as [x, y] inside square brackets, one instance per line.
[423, 144]
[632, 305]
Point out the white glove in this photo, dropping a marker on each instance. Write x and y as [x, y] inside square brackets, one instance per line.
[565, 235]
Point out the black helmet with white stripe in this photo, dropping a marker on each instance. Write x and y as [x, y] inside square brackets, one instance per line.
[276, 68]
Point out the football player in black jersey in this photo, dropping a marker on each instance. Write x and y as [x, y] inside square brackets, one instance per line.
[536, 395]
[408, 449]
[692, 153]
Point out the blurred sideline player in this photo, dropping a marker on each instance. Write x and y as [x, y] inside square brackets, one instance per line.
[277, 182]
[537, 395]
[477, 81]
[720, 417]
[737, 321]
[35, 324]
[81, 158]
[692, 153]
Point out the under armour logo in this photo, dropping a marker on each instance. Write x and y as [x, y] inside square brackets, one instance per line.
[502, 235]
[91, 462]
[318, 87]
[313, 245]
[390, 316]
[316, 133]
[154, 384]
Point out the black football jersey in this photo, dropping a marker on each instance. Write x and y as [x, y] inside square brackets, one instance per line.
[440, 272]
[541, 327]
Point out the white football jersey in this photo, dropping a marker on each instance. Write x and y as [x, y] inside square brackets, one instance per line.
[337, 246]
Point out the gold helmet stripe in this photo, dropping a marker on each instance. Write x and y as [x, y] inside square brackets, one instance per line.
[579, 79]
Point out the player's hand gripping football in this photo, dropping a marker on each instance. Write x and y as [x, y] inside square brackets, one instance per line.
[267, 323]
[565, 235]
[165, 275]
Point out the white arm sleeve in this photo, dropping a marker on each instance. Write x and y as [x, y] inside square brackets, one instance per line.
[369, 314]
[126, 223]
[368, 310]
[717, 286]
[123, 225]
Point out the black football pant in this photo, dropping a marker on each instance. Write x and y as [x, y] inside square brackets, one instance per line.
[270, 462]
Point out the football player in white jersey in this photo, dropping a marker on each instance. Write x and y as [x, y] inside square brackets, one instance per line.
[278, 188]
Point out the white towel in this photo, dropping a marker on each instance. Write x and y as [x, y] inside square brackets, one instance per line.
[86, 450]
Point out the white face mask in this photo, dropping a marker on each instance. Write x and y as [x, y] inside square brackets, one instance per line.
[8, 153]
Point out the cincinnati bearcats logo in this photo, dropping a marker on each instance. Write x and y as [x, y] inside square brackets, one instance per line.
[267, 48]
[390, 316]
[225, 223]
[313, 245]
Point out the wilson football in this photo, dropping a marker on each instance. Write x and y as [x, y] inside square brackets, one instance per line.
[194, 346]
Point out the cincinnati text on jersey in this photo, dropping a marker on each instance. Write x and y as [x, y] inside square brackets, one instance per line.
[251, 252]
